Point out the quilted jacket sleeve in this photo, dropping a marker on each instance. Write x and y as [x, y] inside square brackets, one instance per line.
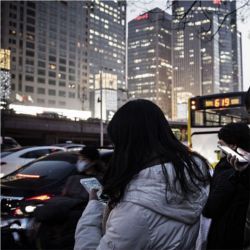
[89, 227]
[125, 228]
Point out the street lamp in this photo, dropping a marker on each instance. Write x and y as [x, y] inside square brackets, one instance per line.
[100, 99]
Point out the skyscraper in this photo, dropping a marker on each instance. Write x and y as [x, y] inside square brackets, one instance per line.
[206, 54]
[106, 55]
[149, 58]
[48, 52]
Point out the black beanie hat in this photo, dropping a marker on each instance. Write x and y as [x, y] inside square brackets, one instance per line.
[236, 134]
[90, 153]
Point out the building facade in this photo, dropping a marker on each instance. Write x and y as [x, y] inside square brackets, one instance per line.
[106, 55]
[149, 58]
[206, 51]
[48, 44]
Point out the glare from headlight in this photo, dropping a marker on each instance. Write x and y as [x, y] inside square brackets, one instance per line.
[30, 209]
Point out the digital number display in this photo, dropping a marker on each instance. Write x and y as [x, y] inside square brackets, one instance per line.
[222, 102]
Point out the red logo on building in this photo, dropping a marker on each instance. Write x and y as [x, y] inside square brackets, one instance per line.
[218, 2]
[142, 17]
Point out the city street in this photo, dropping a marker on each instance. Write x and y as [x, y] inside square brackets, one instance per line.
[125, 124]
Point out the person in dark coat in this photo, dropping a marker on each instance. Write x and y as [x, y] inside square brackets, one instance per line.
[246, 172]
[88, 165]
[58, 218]
[229, 193]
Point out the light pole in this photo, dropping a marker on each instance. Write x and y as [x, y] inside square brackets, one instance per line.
[101, 122]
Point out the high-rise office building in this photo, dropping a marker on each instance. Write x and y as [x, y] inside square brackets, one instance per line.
[47, 40]
[206, 51]
[106, 55]
[149, 58]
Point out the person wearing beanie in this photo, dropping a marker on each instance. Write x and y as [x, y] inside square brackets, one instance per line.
[228, 200]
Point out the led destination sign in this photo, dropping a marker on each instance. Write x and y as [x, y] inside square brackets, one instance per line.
[222, 102]
[218, 101]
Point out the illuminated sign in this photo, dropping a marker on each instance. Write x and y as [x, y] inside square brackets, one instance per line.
[218, 101]
[222, 102]
[142, 17]
[5, 59]
[217, 2]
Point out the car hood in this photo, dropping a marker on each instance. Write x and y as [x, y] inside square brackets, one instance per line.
[27, 187]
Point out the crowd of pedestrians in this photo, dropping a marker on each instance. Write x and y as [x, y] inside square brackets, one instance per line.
[158, 193]
[161, 194]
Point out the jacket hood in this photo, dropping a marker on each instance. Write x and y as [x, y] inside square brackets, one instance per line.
[148, 189]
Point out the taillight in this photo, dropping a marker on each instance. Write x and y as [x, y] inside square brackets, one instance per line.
[43, 197]
[28, 176]
[18, 211]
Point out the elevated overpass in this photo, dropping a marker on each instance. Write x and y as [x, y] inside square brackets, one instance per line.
[36, 130]
[33, 130]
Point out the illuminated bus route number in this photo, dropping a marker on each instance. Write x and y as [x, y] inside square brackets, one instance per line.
[225, 102]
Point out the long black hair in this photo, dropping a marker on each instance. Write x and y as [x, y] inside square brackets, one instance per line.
[142, 136]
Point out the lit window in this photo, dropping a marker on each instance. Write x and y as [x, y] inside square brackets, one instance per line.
[52, 66]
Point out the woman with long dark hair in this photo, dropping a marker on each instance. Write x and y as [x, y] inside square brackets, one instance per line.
[156, 187]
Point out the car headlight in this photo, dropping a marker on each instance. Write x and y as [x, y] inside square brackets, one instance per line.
[30, 209]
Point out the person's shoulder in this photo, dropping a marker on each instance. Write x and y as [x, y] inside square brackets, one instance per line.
[199, 160]
[202, 163]
[76, 177]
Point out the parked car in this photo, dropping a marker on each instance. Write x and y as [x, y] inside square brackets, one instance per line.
[32, 186]
[13, 159]
[51, 115]
[8, 143]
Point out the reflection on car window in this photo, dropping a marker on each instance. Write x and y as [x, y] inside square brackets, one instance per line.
[54, 150]
[35, 154]
[47, 170]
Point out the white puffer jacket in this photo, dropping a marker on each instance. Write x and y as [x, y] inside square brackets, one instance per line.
[145, 219]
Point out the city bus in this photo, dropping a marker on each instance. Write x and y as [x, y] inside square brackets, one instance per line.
[180, 130]
[207, 114]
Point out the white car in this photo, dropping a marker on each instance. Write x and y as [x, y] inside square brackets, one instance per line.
[13, 159]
